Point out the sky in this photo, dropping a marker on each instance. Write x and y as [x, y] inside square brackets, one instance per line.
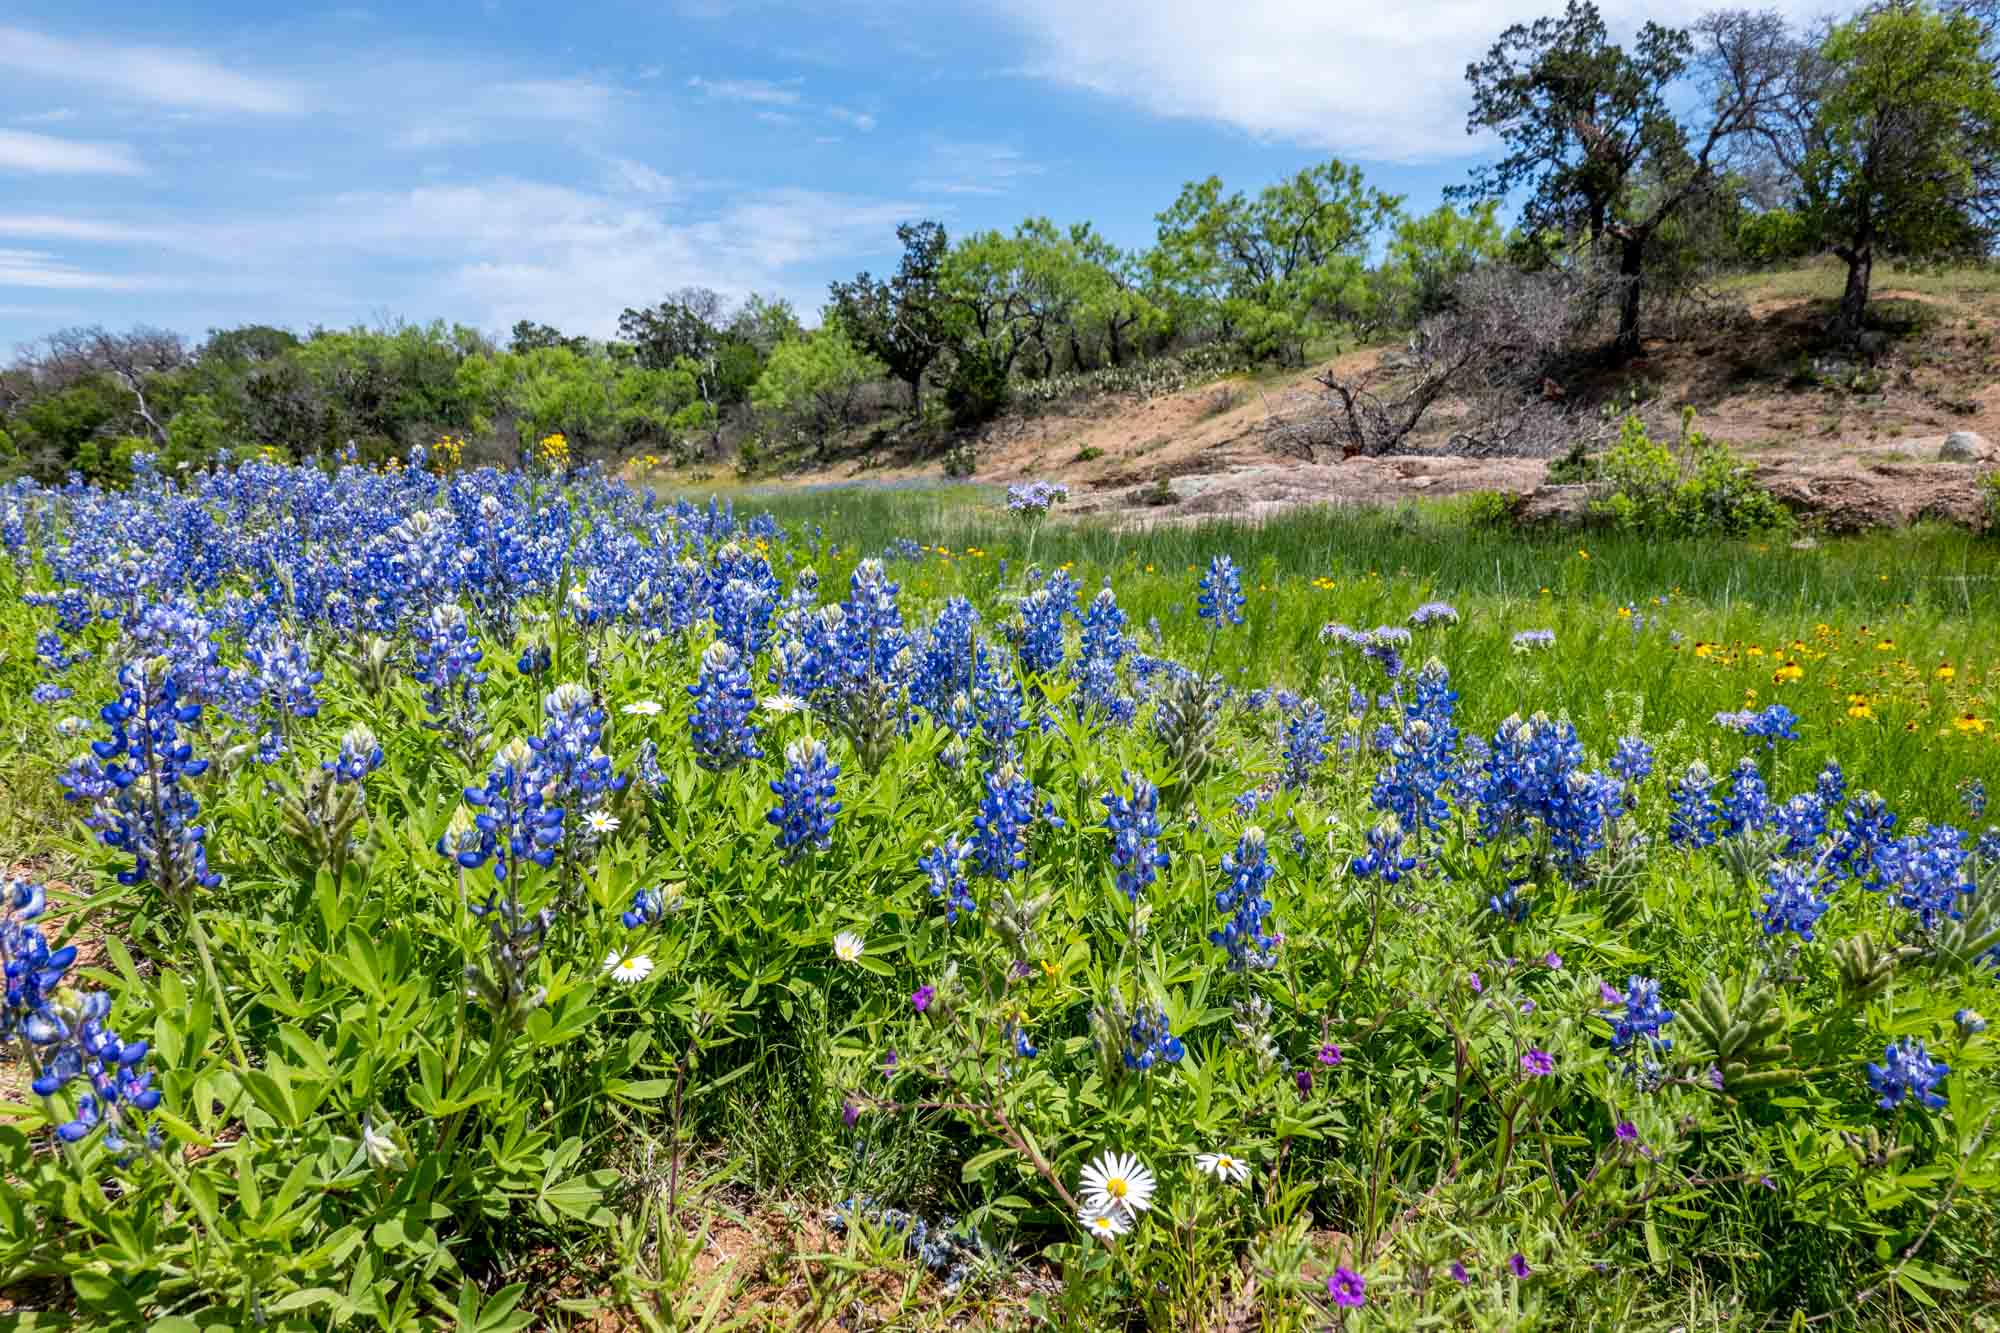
[199, 166]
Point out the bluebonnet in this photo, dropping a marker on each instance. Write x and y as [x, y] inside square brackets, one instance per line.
[742, 613]
[720, 724]
[1000, 829]
[1103, 645]
[1134, 825]
[1221, 601]
[1381, 645]
[1801, 821]
[1907, 1072]
[805, 810]
[943, 865]
[997, 700]
[514, 824]
[1642, 1015]
[1384, 859]
[33, 971]
[1795, 902]
[1748, 805]
[446, 659]
[1867, 825]
[1927, 872]
[1972, 796]
[1243, 935]
[1149, 1040]
[359, 755]
[1509, 905]
[1412, 785]
[1831, 785]
[1305, 743]
[1633, 760]
[648, 907]
[1771, 725]
[1533, 777]
[1041, 646]
[569, 766]
[135, 782]
[944, 661]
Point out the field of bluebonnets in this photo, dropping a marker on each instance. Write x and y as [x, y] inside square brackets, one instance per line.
[433, 891]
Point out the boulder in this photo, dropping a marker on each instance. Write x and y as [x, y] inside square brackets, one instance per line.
[1964, 446]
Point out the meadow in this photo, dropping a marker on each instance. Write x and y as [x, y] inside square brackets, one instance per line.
[485, 899]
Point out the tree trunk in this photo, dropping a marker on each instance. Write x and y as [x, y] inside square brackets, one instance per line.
[916, 383]
[1631, 261]
[1854, 298]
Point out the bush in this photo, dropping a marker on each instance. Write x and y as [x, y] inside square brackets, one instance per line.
[977, 389]
[1700, 488]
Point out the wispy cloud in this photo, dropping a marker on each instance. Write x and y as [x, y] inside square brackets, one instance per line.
[859, 120]
[55, 115]
[760, 91]
[40, 269]
[955, 167]
[496, 108]
[21, 150]
[166, 76]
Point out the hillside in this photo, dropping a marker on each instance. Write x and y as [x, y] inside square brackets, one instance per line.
[1850, 436]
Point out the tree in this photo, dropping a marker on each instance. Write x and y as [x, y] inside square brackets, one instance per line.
[1428, 255]
[1584, 120]
[907, 322]
[1892, 133]
[1279, 268]
[527, 336]
[764, 324]
[686, 324]
[132, 360]
[815, 380]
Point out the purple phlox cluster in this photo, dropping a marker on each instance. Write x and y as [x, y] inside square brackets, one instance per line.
[720, 725]
[1033, 499]
[1433, 613]
[1243, 935]
[1149, 1040]
[1221, 601]
[1384, 859]
[513, 823]
[1534, 640]
[1641, 1016]
[1907, 1074]
[1382, 645]
[1796, 900]
[1134, 825]
[944, 875]
[805, 810]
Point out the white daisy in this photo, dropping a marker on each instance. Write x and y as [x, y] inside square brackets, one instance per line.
[783, 704]
[847, 946]
[1223, 1166]
[601, 822]
[628, 967]
[1107, 1224]
[642, 708]
[1118, 1181]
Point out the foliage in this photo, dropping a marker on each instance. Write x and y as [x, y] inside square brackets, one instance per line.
[906, 321]
[1273, 272]
[958, 889]
[812, 381]
[1429, 255]
[1696, 488]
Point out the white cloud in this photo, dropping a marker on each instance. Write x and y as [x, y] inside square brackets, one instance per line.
[638, 178]
[55, 115]
[163, 75]
[1373, 81]
[40, 269]
[23, 151]
[494, 108]
[760, 91]
[860, 120]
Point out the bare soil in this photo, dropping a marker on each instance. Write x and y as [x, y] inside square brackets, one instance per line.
[1849, 437]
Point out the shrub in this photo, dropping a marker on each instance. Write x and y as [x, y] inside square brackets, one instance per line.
[977, 389]
[1699, 489]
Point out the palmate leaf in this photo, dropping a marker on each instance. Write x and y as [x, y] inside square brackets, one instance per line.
[1735, 1032]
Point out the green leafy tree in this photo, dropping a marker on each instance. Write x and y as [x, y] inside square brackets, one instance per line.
[1893, 135]
[527, 336]
[765, 323]
[1585, 121]
[1427, 255]
[908, 321]
[1276, 270]
[814, 382]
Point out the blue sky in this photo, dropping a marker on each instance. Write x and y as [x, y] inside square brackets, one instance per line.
[195, 166]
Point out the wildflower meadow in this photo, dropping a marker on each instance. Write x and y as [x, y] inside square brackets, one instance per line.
[476, 898]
